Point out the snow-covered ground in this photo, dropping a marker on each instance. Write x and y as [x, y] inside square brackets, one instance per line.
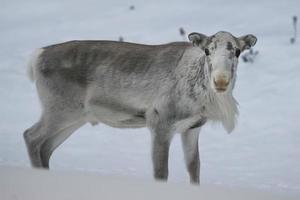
[51, 185]
[262, 153]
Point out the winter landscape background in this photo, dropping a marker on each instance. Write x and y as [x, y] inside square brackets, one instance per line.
[262, 152]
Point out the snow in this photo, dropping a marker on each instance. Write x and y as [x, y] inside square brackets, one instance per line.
[66, 185]
[263, 151]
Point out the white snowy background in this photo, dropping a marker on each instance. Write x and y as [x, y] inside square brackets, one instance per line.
[262, 153]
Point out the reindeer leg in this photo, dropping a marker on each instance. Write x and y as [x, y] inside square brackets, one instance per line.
[191, 153]
[46, 135]
[161, 138]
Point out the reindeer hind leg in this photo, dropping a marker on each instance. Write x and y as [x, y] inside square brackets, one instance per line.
[46, 135]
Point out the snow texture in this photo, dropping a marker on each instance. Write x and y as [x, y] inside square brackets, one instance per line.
[262, 152]
[72, 186]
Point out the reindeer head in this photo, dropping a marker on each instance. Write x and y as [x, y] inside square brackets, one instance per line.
[222, 51]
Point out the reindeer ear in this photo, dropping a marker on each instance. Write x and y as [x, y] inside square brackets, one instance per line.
[198, 39]
[247, 41]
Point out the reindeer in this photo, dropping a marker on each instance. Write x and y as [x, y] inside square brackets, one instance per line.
[169, 88]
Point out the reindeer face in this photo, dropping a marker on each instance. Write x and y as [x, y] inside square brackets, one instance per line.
[222, 51]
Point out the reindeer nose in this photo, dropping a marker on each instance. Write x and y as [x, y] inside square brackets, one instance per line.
[221, 83]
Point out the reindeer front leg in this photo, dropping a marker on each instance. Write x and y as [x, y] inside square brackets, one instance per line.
[161, 136]
[191, 153]
[160, 155]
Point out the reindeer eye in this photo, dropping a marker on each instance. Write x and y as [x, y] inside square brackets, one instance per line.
[206, 52]
[237, 52]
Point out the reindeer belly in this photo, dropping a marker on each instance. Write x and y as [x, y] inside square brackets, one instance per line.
[115, 114]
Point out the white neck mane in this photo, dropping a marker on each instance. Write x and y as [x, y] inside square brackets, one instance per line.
[222, 107]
